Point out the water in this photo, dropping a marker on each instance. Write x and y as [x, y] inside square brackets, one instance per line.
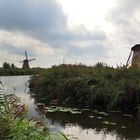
[115, 126]
[19, 86]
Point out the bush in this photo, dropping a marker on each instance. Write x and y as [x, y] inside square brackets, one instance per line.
[99, 86]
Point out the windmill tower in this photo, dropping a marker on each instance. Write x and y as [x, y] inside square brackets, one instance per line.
[135, 58]
[26, 62]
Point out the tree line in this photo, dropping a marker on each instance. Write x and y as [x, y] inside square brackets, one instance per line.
[8, 65]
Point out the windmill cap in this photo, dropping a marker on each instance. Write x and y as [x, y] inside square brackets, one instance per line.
[136, 47]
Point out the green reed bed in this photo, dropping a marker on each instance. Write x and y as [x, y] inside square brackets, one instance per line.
[97, 87]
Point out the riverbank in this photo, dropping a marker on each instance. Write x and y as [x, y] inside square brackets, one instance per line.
[100, 86]
[19, 71]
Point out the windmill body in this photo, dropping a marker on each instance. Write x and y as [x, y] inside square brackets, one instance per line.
[26, 62]
[134, 57]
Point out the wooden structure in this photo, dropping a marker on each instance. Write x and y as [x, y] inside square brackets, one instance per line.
[26, 62]
[134, 60]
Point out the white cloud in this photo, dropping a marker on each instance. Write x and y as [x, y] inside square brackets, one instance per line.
[43, 28]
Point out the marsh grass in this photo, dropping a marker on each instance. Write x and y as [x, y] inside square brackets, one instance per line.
[100, 86]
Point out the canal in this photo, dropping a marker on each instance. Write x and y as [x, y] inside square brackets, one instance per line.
[89, 125]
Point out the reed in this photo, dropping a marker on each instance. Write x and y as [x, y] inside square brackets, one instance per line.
[15, 126]
[99, 86]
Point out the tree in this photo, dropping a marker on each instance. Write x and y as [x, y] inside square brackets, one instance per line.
[12, 66]
[6, 65]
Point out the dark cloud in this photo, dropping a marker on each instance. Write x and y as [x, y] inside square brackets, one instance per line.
[16, 50]
[25, 15]
[43, 20]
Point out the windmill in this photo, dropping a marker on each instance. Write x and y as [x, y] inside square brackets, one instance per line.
[26, 62]
[134, 57]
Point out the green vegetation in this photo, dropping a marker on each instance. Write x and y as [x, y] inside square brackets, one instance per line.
[8, 65]
[17, 71]
[10, 70]
[97, 87]
[15, 126]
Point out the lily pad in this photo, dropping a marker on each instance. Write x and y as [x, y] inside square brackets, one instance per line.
[63, 109]
[75, 112]
[105, 122]
[115, 111]
[99, 118]
[75, 109]
[40, 104]
[91, 117]
[85, 109]
[127, 115]
[124, 127]
[51, 110]
[95, 111]
[103, 113]
[53, 106]
[109, 123]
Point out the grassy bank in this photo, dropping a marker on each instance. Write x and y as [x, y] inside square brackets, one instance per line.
[78, 85]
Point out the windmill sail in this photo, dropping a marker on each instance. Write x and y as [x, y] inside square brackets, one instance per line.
[26, 55]
[31, 60]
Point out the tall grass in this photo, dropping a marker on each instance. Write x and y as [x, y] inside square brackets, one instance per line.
[78, 85]
[15, 126]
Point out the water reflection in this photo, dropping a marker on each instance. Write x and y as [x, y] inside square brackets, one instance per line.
[124, 128]
[19, 86]
[82, 126]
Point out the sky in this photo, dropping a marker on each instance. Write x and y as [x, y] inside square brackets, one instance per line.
[77, 31]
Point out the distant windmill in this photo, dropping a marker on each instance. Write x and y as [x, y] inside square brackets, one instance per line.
[26, 62]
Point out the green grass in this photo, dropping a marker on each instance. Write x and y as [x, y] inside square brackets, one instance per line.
[79, 85]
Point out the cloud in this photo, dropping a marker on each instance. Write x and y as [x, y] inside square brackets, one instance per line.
[15, 50]
[126, 19]
[46, 26]
[43, 20]
[24, 15]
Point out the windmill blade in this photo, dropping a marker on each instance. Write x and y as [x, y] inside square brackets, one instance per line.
[26, 55]
[21, 61]
[31, 60]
